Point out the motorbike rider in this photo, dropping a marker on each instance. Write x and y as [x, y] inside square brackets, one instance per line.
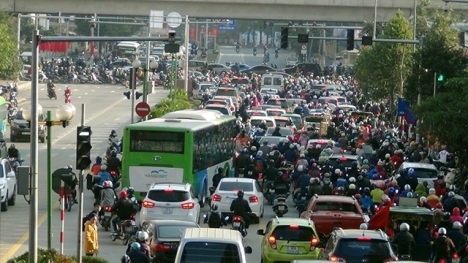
[50, 85]
[68, 92]
[443, 247]
[404, 240]
[141, 238]
[114, 163]
[457, 236]
[104, 175]
[242, 161]
[217, 177]
[124, 209]
[237, 46]
[136, 255]
[241, 208]
[114, 140]
[13, 152]
[255, 50]
[250, 171]
[107, 195]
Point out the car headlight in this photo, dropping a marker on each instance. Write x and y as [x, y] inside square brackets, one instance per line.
[2, 186]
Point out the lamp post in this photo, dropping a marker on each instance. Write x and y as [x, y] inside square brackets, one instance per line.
[153, 65]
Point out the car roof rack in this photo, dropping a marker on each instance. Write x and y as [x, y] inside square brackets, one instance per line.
[382, 234]
[340, 229]
[316, 195]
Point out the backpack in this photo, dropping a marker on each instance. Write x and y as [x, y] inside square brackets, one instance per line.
[327, 188]
[259, 165]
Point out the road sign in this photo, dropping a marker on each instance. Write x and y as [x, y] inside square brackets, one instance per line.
[228, 27]
[303, 51]
[174, 19]
[156, 19]
[203, 55]
[194, 46]
[304, 47]
[142, 109]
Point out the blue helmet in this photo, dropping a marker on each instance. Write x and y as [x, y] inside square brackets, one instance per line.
[410, 172]
[136, 246]
[391, 190]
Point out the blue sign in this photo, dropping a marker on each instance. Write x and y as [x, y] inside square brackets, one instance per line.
[193, 52]
[402, 106]
[228, 27]
[194, 46]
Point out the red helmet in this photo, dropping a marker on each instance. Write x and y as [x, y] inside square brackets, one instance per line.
[123, 194]
[456, 211]
[439, 206]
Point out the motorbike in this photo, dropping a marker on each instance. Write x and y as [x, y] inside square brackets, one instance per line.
[69, 200]
[301, 204]
[255, 53]
[51, 93]
[276, 55]
[12, 114]
[68, 98]
[212, 190]
[213, 219]
[281, 207]
[94, 79]
[269, 191]
[13, 100]
[238, 224]
[237, 50]
[105, 220]
[126, 232]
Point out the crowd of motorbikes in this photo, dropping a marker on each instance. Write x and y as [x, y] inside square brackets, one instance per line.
[10, 93]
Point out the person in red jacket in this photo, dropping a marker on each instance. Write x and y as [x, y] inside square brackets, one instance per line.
[396, 159]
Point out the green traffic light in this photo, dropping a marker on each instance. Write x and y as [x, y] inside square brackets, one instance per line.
[440, 78]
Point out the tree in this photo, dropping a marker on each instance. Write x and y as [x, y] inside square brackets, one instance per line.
[445, 116]
[10, 64]
[440, 53]
[382, 68]
[368, 29]
[108, 30]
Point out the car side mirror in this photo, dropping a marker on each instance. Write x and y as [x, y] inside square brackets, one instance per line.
[248, 250]
[261, 232]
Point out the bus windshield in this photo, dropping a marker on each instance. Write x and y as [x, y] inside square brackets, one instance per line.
[128, 49]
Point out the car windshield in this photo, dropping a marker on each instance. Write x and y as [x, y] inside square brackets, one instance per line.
[205, 87]
[168, 195]
[274, 113]
[272, 141]
[236, 186]
[257, 122]
[171, 231]
[293, 233]
[283, 131]
[220, 109]
[425, 173]
[282, 123]
[281, 103]
[210, 252]
[335, 206]
[347, 163]
[226, 92]
[364, 249]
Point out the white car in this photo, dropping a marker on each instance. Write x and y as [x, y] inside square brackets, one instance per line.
[202, 88]
[227, 191]
[170, 201]
[7, 185]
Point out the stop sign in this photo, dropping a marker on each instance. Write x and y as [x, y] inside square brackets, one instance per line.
[142, 109]
[203, 55]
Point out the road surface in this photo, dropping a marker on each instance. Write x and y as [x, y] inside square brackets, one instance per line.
[106, 109]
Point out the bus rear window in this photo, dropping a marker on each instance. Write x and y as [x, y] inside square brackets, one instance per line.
[157, 141]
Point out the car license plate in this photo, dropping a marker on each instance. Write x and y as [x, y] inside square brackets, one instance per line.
[293, 250]
[455, 260]
[107, 214]
[281, 208]
[236, 224]
[167, 210]
[26, 133]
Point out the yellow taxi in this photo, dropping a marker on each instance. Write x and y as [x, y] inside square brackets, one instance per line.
[287, 239]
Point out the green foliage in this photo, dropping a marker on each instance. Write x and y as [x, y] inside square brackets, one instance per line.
[52, 256]
[108, 30]
[445, 116]
[440, 53]
[177, 101]
[10, 65]
[382, 68]
[368, 29]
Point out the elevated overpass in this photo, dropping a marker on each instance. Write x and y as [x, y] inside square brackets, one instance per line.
[303, 10]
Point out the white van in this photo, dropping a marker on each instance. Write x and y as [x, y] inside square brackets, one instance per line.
[271, 81]
[211, 245]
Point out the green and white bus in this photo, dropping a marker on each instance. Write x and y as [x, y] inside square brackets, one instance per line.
[182, 146]
[128, 49]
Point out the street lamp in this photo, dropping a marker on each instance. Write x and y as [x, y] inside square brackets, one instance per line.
[64, 113]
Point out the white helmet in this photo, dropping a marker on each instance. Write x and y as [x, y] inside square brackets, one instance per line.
[404, 227]
[142, 236]
[363, 226]
[103, 167]
[107, 184]
[352, 180]
[337, 171]
[300, 168]
[457, 225]
[442, 231]
[423, 199]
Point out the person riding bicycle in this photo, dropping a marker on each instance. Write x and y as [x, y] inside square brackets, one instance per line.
[404, 240]
[241, 208]
[124, 209]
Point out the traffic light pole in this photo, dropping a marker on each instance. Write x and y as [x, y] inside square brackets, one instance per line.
[133, 87]
[79, 249]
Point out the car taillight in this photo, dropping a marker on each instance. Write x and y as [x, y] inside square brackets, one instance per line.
[161, 247]
[455, 255]
[113, 173]
[442, 261]
[253, 199]
[216, 198]
[107, 208]
[237, 219]
[147, 204]
[272, 241]
[336, 259]
[188, 205]
[132, 217]
[313, 243]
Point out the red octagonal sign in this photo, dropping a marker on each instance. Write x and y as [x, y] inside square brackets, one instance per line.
[142, 109]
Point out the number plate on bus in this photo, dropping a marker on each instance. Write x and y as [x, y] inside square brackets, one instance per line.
[167, 210]
[107, 214]
[236, 224]
[26, 133]
[293, 250]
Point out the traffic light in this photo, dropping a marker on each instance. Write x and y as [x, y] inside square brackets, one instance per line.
[138, 95]
[127, 94]
[303, 38]
[83, 147]
[440, 77]
[284, 37]
[350, 40]
[366, 41]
